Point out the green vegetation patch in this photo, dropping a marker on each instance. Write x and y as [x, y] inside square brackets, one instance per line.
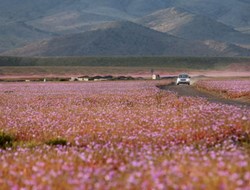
[56, 142]
[6, 140]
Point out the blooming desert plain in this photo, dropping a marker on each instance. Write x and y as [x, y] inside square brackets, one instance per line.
[122, 135]
[89, 101]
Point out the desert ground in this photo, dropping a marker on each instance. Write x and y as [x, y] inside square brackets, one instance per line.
[89, 100]
[146, 134]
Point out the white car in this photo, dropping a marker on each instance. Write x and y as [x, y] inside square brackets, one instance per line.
[183, 79]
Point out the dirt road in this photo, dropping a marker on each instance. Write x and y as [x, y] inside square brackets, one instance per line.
[186, 90]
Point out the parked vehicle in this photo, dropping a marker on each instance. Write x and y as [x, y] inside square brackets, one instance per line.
[183, 79]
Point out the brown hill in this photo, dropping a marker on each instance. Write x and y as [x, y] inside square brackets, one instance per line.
[22, 22]
[190, 26]
[119, 38]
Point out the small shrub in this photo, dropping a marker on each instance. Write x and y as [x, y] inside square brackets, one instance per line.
[244, 140]
[6, 140]
[57, 141]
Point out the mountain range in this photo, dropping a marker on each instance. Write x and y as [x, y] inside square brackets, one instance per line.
[125, 27]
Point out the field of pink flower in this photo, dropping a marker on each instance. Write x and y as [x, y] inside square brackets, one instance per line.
[120, 135]
[227, 88]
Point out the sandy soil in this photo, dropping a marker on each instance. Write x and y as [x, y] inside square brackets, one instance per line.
[138, 72]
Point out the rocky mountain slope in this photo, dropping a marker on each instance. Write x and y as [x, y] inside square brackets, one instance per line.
[28, 21]
[233, 13]
[120, 38]
[126, 38]
[181, 23]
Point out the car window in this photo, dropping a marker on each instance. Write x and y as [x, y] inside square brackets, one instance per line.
[183, 76]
